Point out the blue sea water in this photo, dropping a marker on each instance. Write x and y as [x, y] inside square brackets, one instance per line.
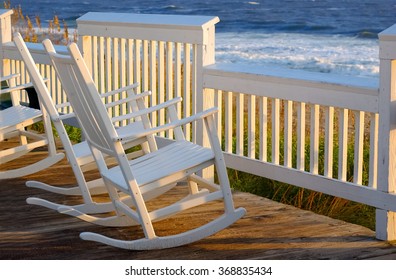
[334, 36]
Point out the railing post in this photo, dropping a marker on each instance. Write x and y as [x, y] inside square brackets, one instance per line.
[85, 45]
[386, 220]
[204, 97]
[5, 37]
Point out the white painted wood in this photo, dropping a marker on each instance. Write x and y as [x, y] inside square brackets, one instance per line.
[358, 154]
[14, 122]
[169, 72]
[161, 82]
[178, 76]
[218, 103]
[373, 172]
[288, 133]
[251, 127]
[275, 130]
[314, 139]
[301, 136]
[352, 93]
[153, 80]
[386, 220]
[329, 138]
[115, 74]
[342, 144]
[137, 65]
[187, 88]
[155, 170]
[239, 123]
[183, 29]
[123, 108]
[5, 37]
[101, 84]
[263, 128]
[228, 121]
[145, 66]
[335, 187]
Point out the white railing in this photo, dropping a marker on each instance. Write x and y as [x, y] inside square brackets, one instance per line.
[263, 113]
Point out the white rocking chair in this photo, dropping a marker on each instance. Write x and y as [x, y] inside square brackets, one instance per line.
[14, 122]
[80, 156]
[178, 161]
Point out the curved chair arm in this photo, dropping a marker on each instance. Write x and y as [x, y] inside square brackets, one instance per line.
[148, 110]
[168, 126]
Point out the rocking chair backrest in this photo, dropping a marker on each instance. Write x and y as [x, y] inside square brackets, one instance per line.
[89, 108]
[38, 82]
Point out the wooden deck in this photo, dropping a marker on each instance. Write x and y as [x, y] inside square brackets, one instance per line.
[270, 230]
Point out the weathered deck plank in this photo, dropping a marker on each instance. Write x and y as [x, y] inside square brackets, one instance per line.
[270, 230]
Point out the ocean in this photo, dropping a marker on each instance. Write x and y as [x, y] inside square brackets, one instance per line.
[329, 36]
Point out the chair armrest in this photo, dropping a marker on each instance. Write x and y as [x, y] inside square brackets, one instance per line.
[9, 77]
[18, 87]
[66, 116]
[168, 126]
[148, 110]
[15, 88]
[62, 105]
[128, 99]
[122, 89]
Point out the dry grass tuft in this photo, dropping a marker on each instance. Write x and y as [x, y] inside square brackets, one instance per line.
[33, 31]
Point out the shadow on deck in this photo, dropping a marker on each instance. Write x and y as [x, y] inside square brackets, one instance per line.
[270, 230]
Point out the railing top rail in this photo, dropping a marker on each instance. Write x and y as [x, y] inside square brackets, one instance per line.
[284, 75]
[319, 88]
[180, 28]
[36, 49]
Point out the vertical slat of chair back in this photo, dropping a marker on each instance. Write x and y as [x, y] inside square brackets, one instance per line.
[88, 106]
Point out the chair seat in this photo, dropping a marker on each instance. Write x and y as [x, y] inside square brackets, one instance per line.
[176, 157]
[15, 115]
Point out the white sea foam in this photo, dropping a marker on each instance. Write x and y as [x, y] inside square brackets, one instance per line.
[317, 53]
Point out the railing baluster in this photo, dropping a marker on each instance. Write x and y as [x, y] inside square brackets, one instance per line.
[94, 56]
[115, 72]
[288, 133]
[373, 165]
[251, 126]
[161, 81]
[275, 130]
[239, 123]
[138, 64]
[358, 154]
[101, 65]
[169, 77]
[301, 136]
[187, 88]
[123, 107]
[329, 141]
[178, 76]
[218, 102]
[228, 122]
[153, 80]
[145, 67]
[343, 144]
[131, 59]
[263, 128]
[314, 139]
